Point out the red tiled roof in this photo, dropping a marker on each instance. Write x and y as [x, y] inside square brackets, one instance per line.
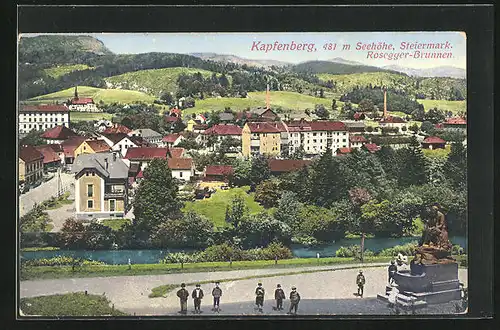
[54, 146]
[393, 119]
[147, 153]
[200, 127]
[327, 126]
[344, 150]
[98, 145]
[359, 115]
[84, 100]
[357, 138]
[44, 108]
[287, 165]
[171, 119]
[180, 163]
[456, 121]
[117, 128]
[372, 147]
[433, 139]
[224, 130]
[49, 155]
[29, 154]
[262, 128]
[171, 138]
[219, 170]
[138, 141]
[71, 144]
[58, 133]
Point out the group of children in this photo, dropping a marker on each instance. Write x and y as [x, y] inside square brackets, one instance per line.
[198, 295]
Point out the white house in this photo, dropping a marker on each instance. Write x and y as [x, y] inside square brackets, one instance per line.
[392, 121]
[316, 136]
[147, 134]
[121, 142]
[42, 117]
[357, 141]
[83, 105]
[172, 140]
[182, 168]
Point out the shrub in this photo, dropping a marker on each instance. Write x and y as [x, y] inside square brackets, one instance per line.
[180, 257]
[457, 250]
[352, 251]
[61, 261]
[222, 252]
[305, 240]
[406, 250]
[274, 250]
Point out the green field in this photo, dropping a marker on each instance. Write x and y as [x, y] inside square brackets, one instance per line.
[346, 82]
[154, 81]
[70, 304]
[115, 224]
[61, 70]
[454, 106]
[76, 116]
[98, 94]
[214, 208]
[293, 101]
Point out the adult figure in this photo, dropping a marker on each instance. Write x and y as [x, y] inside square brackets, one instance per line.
[294, 300]
[183, 295]
[360, 281]
[279, 295]
[197, 297]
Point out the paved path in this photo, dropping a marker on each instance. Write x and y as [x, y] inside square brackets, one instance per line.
[42, 193]
[329, 292]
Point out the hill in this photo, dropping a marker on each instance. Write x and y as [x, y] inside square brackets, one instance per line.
[455, 107]
[238, 60]
[295, 102]
[153, 82]
[334, 68]
[98, 94]
[59, 49]
[441, 88]
[439, 71]
[61, 70]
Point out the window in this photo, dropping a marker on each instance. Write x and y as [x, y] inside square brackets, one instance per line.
[180, 174]
[90, 204]
[93, 173]
[112, 205]
[90, 190]
[24, 126]
[343, 140]
[314, 134]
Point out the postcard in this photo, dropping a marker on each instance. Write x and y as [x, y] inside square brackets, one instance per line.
[236, 174]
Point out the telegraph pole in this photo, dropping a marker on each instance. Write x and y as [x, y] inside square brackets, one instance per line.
[59, 183]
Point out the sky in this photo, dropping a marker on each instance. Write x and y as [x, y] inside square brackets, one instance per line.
[240, 44]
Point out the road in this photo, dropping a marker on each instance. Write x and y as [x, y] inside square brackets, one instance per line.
[327, 292]
[42, 193]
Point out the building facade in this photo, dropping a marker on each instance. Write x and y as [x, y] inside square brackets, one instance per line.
[315, 137]
[42, 117]
[260, 138]
[101, 190]
[147, 134]
[30, 165]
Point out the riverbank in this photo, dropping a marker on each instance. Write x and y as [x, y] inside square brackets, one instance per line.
[60, 272]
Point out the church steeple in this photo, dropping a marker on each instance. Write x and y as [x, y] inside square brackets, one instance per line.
[76, 92]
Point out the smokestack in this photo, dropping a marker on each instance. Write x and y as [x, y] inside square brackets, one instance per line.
[268, 106]
[385, 102]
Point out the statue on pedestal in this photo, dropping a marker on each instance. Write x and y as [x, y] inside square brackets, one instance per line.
[435, 247]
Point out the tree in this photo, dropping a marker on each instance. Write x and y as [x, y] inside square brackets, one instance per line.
[427, 127]
[434, 115]
[98, 237]
[414, 128]
[267, 193]
[366, 105]
[259, 171]
[299, 153]
[288, 210]
[334, 105]
[241, 175]
[321, 93]
[358, 198]
[261, 229]
[320, 223]
[33, 138]
[167, 98]
[192, 230]
[455, 167]
[156, 197]
[414, 170]
[72, 234]
[236, 212]
[321, 111]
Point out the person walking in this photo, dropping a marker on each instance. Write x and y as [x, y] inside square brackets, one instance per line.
[259, 297]
[392, 271]
[183, 295]
[279, 295]
[360, 281]
[216, 293]
[197, 297]
[294, 300]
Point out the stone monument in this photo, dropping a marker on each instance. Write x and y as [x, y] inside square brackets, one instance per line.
[433, 274]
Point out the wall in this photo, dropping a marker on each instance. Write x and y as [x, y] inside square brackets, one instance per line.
[96, 180]
[245, 141]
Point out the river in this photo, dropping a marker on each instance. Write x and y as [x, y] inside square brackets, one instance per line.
[117, 257]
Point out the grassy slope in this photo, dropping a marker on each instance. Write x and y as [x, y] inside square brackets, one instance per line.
[98, 94]
[154, 81]
[287, 100]
[88, 116]
[70, 304]
[346, 82]
[115, 224]
[61, 70]
[214, 208]
[453, 106]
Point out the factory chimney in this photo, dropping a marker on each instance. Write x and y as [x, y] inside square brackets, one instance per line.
[385, 102]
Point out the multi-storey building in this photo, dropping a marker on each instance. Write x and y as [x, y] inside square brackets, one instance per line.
[101, 189]
[260, 138]
[315, 137]
[42, 117]
[220, 132]
[30, 164]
